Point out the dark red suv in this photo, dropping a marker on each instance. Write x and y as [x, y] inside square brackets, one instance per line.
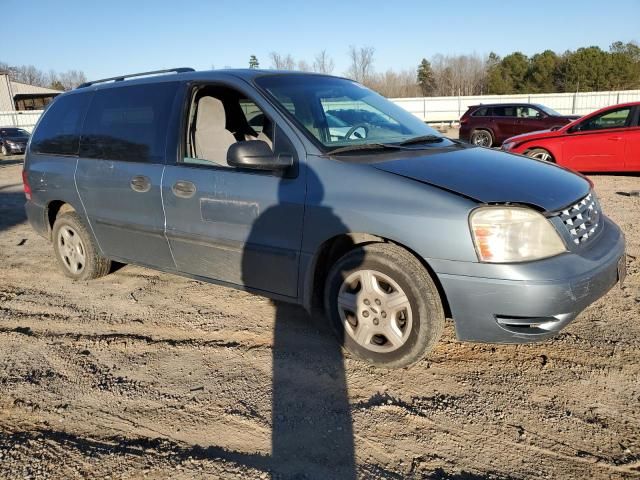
[490, 125]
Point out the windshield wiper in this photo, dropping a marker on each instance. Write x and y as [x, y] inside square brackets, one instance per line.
[364, 146]
[386, 146]
[422, 139]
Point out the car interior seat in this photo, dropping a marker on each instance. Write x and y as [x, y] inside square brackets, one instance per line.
[212, 139]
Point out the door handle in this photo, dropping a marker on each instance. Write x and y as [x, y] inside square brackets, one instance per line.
[140, 183]
[183, 189]
[615, 139]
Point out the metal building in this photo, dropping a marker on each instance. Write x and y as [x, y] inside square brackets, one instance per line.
[16, 96]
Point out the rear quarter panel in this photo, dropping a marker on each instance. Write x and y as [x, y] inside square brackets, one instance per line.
[52, 177]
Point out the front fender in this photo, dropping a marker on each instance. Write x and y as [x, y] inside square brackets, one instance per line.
[345, 197]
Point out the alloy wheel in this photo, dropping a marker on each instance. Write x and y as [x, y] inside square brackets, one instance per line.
[541, 155]
[71, 249]
[482, 138]
[374, 310]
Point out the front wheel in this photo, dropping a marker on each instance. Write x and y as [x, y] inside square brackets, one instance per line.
[384, 305]
[5, 150]
[540, 154]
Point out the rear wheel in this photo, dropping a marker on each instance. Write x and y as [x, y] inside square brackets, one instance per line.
[481, 138]
[541, 154]
[383, 305]
[76, 250]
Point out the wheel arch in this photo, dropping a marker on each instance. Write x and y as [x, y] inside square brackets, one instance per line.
[334, 248]
[55, 208]
[483, 127]
[533, 146]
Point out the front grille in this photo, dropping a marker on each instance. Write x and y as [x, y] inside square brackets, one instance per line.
[582, 219]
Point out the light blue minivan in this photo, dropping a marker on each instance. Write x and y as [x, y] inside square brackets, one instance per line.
[313, 189]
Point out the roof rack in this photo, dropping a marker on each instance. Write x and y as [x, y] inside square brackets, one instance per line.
[122, 77]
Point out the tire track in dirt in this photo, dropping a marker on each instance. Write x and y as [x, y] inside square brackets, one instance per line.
[425, 408]
[132, 374]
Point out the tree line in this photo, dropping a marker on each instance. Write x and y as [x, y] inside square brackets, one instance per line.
[33, 76]
[585, 69]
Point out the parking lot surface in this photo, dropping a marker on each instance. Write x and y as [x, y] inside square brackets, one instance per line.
[146, 374]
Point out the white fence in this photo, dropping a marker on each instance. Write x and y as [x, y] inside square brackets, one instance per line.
[447, 109]
[24, 119]
[441, 109]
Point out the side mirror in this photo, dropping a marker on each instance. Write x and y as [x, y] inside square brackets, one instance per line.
[575, 128]
[257, 155]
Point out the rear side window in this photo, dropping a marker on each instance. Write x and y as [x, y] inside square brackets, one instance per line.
[129, 123]
[506, 111]
[481, 112]
[59, 130]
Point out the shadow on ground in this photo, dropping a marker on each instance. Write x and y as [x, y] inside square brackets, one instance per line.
[7, 162]
[11, 207]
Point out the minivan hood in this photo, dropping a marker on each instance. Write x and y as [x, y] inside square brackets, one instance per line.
[491, 176]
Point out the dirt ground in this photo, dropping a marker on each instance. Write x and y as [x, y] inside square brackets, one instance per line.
[142, 374]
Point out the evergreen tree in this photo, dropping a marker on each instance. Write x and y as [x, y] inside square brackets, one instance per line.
[498, 81]
[426, 78]
[542, 70]
[253, 62]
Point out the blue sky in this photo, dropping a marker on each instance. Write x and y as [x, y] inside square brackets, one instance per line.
[110, 37]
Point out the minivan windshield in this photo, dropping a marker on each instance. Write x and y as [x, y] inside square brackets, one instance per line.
[340, 113]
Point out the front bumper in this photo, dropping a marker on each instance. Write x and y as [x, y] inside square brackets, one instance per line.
[16, 148]
[521, 303]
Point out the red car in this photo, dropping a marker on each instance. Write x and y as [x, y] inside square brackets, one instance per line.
[607, 140]
[489, 125]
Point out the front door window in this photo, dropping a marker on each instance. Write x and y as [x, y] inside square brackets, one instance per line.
[618, 118]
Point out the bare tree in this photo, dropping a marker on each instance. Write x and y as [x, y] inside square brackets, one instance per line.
[361, 63]
[30, 75]
[53, 80]
[323, 63]
[303, 66]
[282, 62]
[459, 74]
[71, 79]
[394, 84]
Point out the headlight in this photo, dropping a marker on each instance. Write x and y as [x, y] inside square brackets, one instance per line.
[513, 234]
[10, 143]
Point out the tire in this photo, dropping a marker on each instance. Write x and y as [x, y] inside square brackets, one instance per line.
[481, 138]
[5, 152]
[541, 154]
[76, 250]
[405, 335]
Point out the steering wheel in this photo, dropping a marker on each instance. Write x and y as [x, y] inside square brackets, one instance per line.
[353, 129]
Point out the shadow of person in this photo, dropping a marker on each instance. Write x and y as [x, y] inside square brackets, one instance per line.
[312, 432]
